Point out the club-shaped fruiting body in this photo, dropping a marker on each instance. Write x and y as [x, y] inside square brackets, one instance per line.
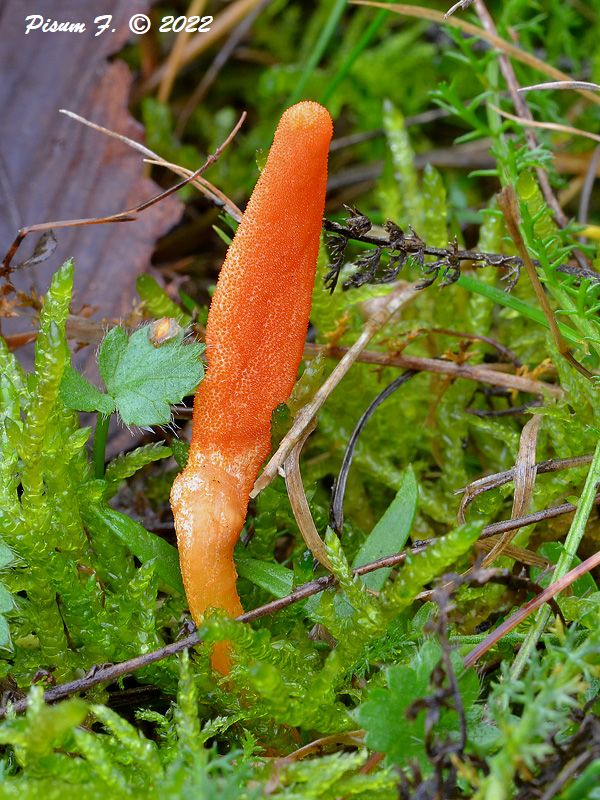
[254, 342]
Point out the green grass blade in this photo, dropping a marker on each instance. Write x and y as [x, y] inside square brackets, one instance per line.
[317, 51]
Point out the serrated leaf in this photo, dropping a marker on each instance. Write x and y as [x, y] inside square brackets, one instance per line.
[127, 464]
[78, 393]
[181, 451]
[383, 715]
[391, 532]
[145, 380]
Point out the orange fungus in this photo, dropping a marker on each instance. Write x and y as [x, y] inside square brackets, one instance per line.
[254, 342]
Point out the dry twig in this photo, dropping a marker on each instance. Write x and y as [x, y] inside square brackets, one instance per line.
[438, 365]
[111, 672]
[204, 186]
[393, 303]
[121, 216]
[522, 613]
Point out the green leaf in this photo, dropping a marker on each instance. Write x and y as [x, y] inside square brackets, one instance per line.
[270, 576]
[6, 600]
[391, 532]
[143, 544]
[127, 464]
[383, 715]
[7, 557]
[145, 380]
[585, 784]
[78, 393]
[181, 451]
[158, 302]
[5, 640]
[224, 237]
[513, 302]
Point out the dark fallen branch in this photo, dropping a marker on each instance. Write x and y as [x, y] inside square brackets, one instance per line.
[111, 672]
[401, 247]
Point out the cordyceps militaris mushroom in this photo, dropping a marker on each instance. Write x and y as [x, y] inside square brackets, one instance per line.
[255, 337]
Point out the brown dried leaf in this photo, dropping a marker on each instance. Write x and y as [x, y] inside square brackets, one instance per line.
[53, 169]
[525, 472]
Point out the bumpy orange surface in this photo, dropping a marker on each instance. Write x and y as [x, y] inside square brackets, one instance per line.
[254, 341]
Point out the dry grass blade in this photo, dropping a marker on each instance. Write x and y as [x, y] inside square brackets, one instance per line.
[354, 738]
[174, 58]
[593, 87]
[496, 41]
[524, 475]
[462, 5]
[299, 503]
[517, 618]
[548, 126]
[227, 19]
[520, 554]
[391, 304]
[482, 485]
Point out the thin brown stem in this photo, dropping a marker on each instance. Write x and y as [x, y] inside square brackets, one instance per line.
[108, 674]
[438, 365]
[515, 619]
